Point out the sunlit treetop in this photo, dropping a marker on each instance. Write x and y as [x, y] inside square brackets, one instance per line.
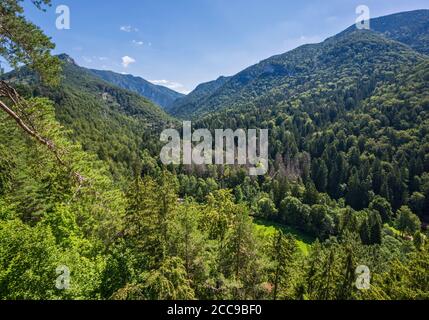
[23, 43]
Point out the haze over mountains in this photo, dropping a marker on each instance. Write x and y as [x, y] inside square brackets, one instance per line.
[160, 95]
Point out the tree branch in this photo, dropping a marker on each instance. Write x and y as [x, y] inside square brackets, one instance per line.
[9, 92]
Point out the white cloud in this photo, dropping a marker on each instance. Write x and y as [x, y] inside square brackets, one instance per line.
[138, 43]
[171, 85]
[126, 61]
[103, 58]
[125, 28]
[87, 59]
[128, 29]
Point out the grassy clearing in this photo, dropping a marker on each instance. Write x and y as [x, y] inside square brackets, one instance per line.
[267, 229]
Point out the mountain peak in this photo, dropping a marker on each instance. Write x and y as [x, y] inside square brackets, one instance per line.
[160, 95]
[409, 27]
[66, 58]
[391, 42]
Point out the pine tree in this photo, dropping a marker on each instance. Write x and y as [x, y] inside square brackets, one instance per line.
[320, 174]
[365, 233]
[24, 43]
[345, 290]
[149, 208]
[188, 242]
[283, 250]
[375, 229]
[239, 259]
[325, 289]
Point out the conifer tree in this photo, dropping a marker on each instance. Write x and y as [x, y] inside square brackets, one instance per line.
[283, 250]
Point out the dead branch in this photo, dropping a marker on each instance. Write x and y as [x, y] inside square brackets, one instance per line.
[9, 92]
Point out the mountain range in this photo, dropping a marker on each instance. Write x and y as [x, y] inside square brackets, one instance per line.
[84, 193]
[296, 69]
[160, 95]
[114, 123]
[326, 80]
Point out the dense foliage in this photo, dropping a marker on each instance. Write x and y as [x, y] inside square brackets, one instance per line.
[351, 59]
[23, 42]
[113, 123]
[348, 185]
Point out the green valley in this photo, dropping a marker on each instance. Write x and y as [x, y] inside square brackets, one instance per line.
[88, 211]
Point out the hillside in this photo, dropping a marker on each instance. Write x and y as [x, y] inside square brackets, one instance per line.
[282, 76]
[197, 96]
[410, 28]
[160, 95]
[88, 211]
[109, 121]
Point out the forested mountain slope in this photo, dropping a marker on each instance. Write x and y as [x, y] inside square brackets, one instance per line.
[348, 185]
[352, 150]
[348, 117]
[114, 123]
[197, 96]
[160, 95]
[410, 28]
[359, 53]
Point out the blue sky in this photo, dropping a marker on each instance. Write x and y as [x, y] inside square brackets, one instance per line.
[181, 43]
